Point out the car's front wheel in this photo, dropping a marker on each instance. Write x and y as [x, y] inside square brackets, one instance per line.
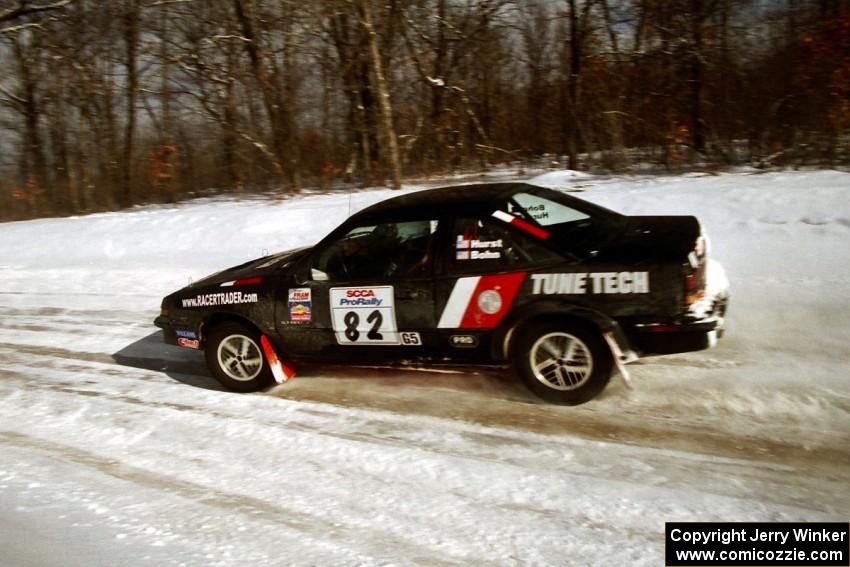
[563, 363]
[235, 358]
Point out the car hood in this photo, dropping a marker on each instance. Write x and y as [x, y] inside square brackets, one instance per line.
[258, 267]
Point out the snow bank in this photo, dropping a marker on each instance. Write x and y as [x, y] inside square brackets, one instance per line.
[129, 450]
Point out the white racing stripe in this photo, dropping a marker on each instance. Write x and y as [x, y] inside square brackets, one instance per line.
[458, 302]
[503, 216]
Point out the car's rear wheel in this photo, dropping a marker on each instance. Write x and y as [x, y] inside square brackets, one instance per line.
[235, 358]
[562, 362]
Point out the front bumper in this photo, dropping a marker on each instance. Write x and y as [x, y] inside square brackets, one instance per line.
[169, 333]
[176, 333]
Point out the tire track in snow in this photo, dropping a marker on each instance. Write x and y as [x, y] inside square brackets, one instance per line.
[496, 407]
[489, 409]
[485, 447]
[377, 543]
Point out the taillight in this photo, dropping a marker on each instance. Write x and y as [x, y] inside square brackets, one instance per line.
[695, 277]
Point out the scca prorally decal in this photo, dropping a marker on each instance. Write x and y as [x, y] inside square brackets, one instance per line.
[358, 298]
[213, 299]
[581, 283]
[366, 316]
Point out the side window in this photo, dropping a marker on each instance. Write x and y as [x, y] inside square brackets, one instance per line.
[544, 211]
[378, 251]
[486, 245]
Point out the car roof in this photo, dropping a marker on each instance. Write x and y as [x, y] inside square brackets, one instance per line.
[445, 199]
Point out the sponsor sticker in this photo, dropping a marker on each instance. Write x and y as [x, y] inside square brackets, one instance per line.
[186, 334]
[188, 343]
[300, 304]
[480, 302]
[225, 298]
[489, 301]
[464, 341]
[364, 315]
[587, 283]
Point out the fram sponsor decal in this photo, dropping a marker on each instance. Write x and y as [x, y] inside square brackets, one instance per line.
[213, 299]
[480, 302]
[300, 304]
[597, 283]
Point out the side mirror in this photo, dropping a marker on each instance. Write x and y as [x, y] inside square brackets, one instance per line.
[318, 275]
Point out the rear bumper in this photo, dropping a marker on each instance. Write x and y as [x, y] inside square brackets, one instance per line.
[686, 334]
[687, 338]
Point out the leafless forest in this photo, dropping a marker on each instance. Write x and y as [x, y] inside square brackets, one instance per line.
[109, 103]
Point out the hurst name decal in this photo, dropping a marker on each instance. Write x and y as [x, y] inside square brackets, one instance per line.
[600, 283]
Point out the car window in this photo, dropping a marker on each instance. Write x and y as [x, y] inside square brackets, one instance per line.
[543, 211]
[573, 225]
[485, 245]
[378, 251]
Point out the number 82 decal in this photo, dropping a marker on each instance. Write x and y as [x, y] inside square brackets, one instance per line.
[366, 316]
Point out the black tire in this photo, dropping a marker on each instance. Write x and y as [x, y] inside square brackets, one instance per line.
[574, 362]
[235, 358]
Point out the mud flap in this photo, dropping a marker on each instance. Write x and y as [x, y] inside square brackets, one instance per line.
[617, 353]
[280, 369]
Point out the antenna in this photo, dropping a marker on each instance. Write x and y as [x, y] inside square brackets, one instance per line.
[349, 202]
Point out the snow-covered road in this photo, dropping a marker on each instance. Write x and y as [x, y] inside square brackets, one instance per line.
[117, 449]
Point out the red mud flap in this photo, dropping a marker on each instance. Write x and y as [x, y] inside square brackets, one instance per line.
[280, 370]
[617, 353]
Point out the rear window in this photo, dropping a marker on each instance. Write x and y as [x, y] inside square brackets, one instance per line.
[575, 225]
[545, 212]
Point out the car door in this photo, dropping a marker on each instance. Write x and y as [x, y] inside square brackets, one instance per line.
[371, 294]
[483, 271]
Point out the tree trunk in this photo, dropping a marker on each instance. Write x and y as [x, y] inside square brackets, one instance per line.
[33, 163]
[386, 130]
[572, 90]
[697, 77]
[131, 44]
[271, 94]
[435, 130]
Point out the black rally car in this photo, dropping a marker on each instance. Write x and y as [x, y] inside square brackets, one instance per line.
[491, 274]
